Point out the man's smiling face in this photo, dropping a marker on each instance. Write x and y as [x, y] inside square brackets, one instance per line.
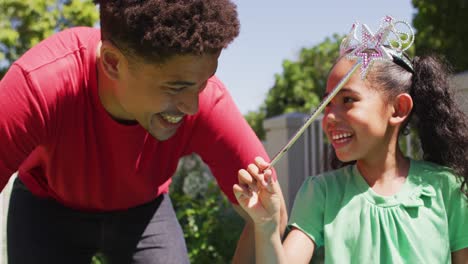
[159, 96]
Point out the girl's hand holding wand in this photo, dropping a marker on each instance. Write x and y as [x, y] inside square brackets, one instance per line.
[259, 194]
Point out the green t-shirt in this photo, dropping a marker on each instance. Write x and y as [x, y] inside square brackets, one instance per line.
[423, 223]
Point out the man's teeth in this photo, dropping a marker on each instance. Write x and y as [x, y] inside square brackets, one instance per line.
[171, 118]
[341, 135]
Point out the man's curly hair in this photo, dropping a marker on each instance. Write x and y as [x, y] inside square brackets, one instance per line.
[155, 30]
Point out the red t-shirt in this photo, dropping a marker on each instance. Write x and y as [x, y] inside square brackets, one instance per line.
[56, 133]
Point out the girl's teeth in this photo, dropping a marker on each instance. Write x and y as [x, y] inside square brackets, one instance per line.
[341, 135]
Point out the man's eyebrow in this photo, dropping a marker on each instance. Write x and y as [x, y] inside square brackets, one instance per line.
[180, 83]
[184, 83]
[341, 91]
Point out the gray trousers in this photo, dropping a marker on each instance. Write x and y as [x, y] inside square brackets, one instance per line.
[44, 231]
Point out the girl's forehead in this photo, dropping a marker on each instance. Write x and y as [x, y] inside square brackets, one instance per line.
[340, 70]
[342, 67]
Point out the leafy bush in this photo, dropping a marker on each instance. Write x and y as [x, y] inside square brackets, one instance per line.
[210, 224]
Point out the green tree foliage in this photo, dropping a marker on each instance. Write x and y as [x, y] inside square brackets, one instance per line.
[302, 84]
[255, 120]
[441, 27]
[300, 87]
[23, 23]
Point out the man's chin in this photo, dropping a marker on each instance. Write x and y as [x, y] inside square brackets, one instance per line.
[161, 136]
[158, 132]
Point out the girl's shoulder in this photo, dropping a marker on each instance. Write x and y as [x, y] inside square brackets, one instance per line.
[432, 173]
[440, 178]
[333, 179]
[336, 174]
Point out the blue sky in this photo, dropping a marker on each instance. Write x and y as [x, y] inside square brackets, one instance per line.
[275, 30]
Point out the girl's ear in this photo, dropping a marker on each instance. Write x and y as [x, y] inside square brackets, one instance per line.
[402, 106]
[111, 59]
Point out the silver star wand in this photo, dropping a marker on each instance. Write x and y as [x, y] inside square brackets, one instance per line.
[365, 49]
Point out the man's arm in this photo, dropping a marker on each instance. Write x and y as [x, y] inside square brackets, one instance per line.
[22, 122]
[460, 256]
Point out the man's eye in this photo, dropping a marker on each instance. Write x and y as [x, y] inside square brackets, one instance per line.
[348, 100]
[176, 90]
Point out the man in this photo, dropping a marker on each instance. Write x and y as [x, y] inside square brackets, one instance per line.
[96, 121]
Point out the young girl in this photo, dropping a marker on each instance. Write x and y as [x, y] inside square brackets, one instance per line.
[385, 207]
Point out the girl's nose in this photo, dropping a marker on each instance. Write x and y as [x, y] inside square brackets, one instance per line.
[331, 115]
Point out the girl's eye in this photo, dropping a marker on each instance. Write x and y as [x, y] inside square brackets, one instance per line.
[348, 100]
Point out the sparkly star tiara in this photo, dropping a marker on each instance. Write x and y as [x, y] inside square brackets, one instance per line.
[388, 43]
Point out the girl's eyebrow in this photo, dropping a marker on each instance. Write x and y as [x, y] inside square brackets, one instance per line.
[343, 90]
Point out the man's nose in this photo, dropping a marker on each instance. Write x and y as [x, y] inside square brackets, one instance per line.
[188, 102]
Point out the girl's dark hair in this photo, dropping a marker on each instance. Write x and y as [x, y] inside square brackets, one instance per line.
[440, 123]
[155, 30]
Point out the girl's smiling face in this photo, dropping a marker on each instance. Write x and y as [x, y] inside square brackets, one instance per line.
[356, 121]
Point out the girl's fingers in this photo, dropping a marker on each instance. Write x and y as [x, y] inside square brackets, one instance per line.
[264, 166]
[244, 196]
[270, 181]
[241, 193]
[246, 180]
[256, 174]
[261, 163]
[245, 177]
[268, 174]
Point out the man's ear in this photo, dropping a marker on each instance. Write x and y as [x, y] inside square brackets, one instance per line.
[402, 106]
[112, 60]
